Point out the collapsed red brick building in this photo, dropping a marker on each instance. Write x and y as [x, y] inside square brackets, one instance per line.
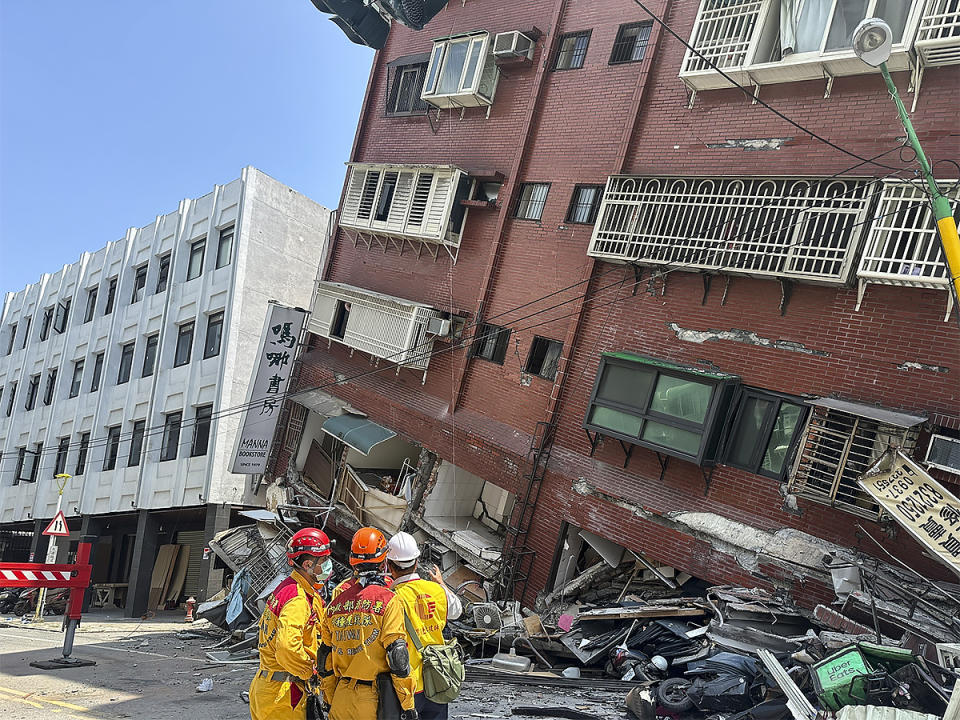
[609, 303]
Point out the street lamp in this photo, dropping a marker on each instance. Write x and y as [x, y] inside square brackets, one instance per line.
[872, 41]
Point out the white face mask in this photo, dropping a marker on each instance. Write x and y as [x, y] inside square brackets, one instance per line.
[326, 570]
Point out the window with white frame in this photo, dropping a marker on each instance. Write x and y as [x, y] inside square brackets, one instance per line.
[803, 229]
[461, 72]
[774, 39]
[841, 440]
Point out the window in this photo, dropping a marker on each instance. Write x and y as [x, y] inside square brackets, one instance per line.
[225, 246]
[12, 338]
[809, 229]
[60, 464]
[756, 37]
[338, 328]
[171, 436]
[26, 333]
[631, 43]
[298, 418]
[184, 344]
[136, 443]
[840, 442]
[150, 355]
[461, 72]
[211, 344]
[91, 305]
[201, 431]
[764, 433]
[35, 465]
[97, 372]
[18, 475]
[668, 408]
[82, 454]
[126, 363]
[12, 394]
[572, 50]
[490, 342]
[139, 283]
[51, 387]
[531, 200]
[32, 389]
[61, 316]
[385, 201]
[77, 378]
[405, 78]
[584, 204]
[111, 296]
[46, 323]
[544, 357]
[112, 449]
[195, 264]
[163, 273]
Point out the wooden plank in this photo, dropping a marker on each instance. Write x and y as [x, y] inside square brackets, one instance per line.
[644, 611]
[179, 574]
[162, 567]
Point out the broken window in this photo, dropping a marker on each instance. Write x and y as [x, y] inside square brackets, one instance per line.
[665, 407]
[764, 433]
[572, 50]
[544, 357]
[841, 441]
[341, 314]
[490, 342]
[32, 389]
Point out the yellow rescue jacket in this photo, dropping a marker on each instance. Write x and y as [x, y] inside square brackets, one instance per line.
[358, 625]
[288, 628]
[425, 603]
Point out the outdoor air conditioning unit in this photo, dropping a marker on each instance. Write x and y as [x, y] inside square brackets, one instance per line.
[944, 453]
[438, 326]
[513, 44]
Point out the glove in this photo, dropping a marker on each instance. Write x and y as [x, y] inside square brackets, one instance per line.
[410, 714]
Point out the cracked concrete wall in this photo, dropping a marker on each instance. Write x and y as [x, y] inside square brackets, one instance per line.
[746, 337]
[751, 143]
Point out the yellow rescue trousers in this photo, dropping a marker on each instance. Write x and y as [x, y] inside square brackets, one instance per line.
[272, 700]
[354, 701]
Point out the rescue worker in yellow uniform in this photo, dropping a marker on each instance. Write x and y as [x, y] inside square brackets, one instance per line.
[363, 627]
[289, 628]
[428, 605]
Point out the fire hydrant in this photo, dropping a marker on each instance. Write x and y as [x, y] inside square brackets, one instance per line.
[191, 603]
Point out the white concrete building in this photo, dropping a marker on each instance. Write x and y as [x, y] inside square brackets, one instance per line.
[113, 369]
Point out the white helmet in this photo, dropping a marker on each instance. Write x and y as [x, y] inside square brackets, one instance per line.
[402, 550]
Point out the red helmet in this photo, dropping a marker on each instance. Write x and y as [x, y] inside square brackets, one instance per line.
[309, 541]
[368, 546]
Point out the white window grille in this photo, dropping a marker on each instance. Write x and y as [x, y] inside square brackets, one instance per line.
[796, 228]
[386, 327]
[462, 72]
[406, 204]
[841, 441]
[298, 418]
[938, 39]
[903, 246]
[771, 41]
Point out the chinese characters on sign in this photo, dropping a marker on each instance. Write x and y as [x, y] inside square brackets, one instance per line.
[271, 376]
[926, 509]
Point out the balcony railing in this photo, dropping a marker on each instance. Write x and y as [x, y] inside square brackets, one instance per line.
[903, 246]
[384, 326]
[406, 203]
[790, 228]
[938, 39]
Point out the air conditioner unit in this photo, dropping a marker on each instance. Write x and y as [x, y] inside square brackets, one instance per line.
[438, 326]
[944, 453]
[513, 44]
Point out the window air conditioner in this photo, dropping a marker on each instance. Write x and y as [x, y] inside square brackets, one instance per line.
[438, 326]
[513, 44]
[944, 453]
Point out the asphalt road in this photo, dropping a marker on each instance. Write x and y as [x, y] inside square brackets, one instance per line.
[145, 671]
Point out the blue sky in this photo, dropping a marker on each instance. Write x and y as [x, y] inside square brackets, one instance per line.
[111, 112]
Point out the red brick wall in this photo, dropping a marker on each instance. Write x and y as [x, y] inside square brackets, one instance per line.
[575, 137]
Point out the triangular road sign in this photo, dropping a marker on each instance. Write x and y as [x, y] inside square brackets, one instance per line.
[58, 526]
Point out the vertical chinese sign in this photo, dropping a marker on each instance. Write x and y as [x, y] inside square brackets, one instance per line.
[268, 387]
[920, 504]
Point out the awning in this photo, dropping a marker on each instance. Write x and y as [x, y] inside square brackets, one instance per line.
[881, 415]
[360, 433]
[322, 403]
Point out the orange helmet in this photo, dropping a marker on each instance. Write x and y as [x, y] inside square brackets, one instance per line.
[368, 546]
[309, 541]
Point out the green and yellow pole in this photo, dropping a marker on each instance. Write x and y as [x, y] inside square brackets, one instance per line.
[946, 225]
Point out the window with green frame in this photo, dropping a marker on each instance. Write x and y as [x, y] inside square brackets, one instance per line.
[659, 405]
[764, 433]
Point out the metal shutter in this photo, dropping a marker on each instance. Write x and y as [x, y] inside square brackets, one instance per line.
[193, 538]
